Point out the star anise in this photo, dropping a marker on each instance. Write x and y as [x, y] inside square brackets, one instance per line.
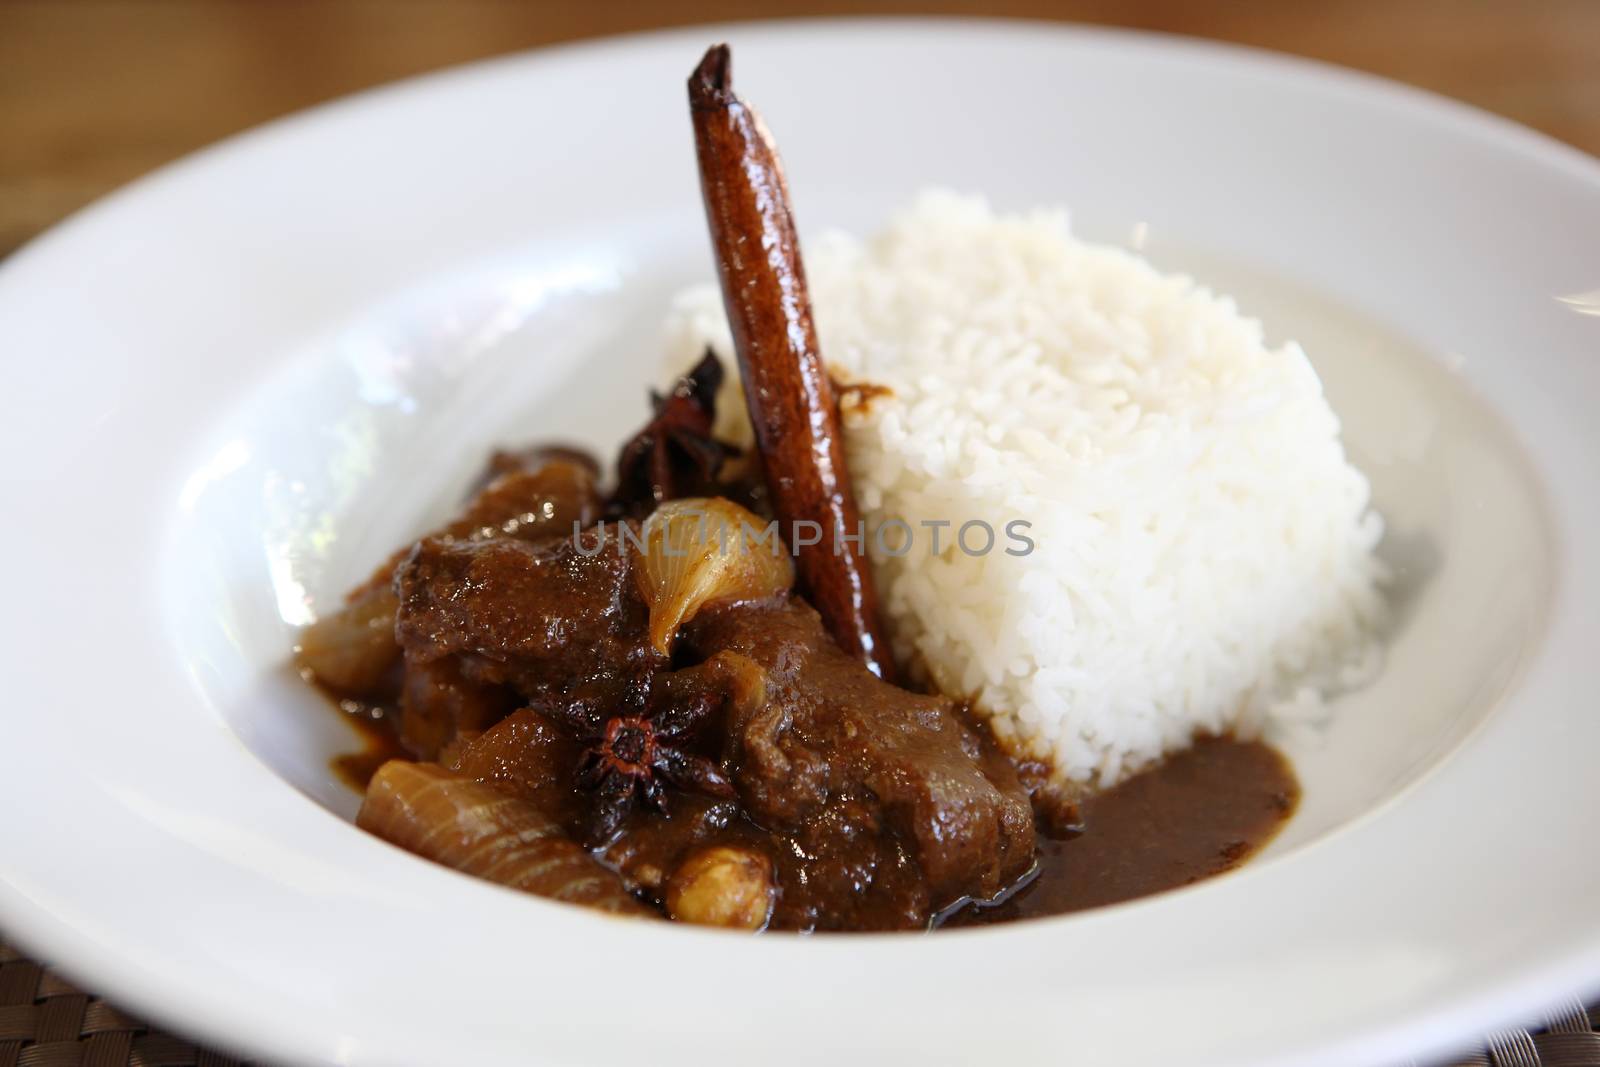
[674, 455]
[637, 751]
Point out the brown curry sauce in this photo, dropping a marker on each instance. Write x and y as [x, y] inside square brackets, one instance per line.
[380, 741]
[1197, 814]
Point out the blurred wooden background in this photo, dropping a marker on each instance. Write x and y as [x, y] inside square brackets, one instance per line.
[95, 92]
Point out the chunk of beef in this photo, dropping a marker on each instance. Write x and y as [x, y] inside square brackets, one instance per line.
[534, 497]
[549, 618]
[526, 754]
[503, 461]
[438, 705]
[530, 503]
[830, 734]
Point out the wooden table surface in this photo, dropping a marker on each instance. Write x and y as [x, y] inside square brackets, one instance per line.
[94, 93]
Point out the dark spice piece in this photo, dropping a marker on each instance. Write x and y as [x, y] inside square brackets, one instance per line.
[675, 455]
[634, 754]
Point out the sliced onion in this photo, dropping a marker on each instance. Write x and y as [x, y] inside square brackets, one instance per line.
[478, 828]
[352, 649]
[700, 552]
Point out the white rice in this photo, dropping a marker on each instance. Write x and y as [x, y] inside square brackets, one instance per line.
[1204, 550]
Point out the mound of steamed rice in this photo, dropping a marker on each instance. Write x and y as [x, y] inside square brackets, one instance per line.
[1203, 550]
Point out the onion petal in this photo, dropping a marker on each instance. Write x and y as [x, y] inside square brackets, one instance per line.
[477, 828]
[700, 552]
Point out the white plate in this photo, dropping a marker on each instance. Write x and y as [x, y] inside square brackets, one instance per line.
[232, 386]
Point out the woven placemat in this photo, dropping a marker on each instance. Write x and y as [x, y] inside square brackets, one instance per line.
[47, 1022]
[1567, 1040]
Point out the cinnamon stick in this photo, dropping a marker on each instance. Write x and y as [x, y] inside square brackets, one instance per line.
[786, 385]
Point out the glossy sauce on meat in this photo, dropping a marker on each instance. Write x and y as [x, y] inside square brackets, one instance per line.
[834, 755]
